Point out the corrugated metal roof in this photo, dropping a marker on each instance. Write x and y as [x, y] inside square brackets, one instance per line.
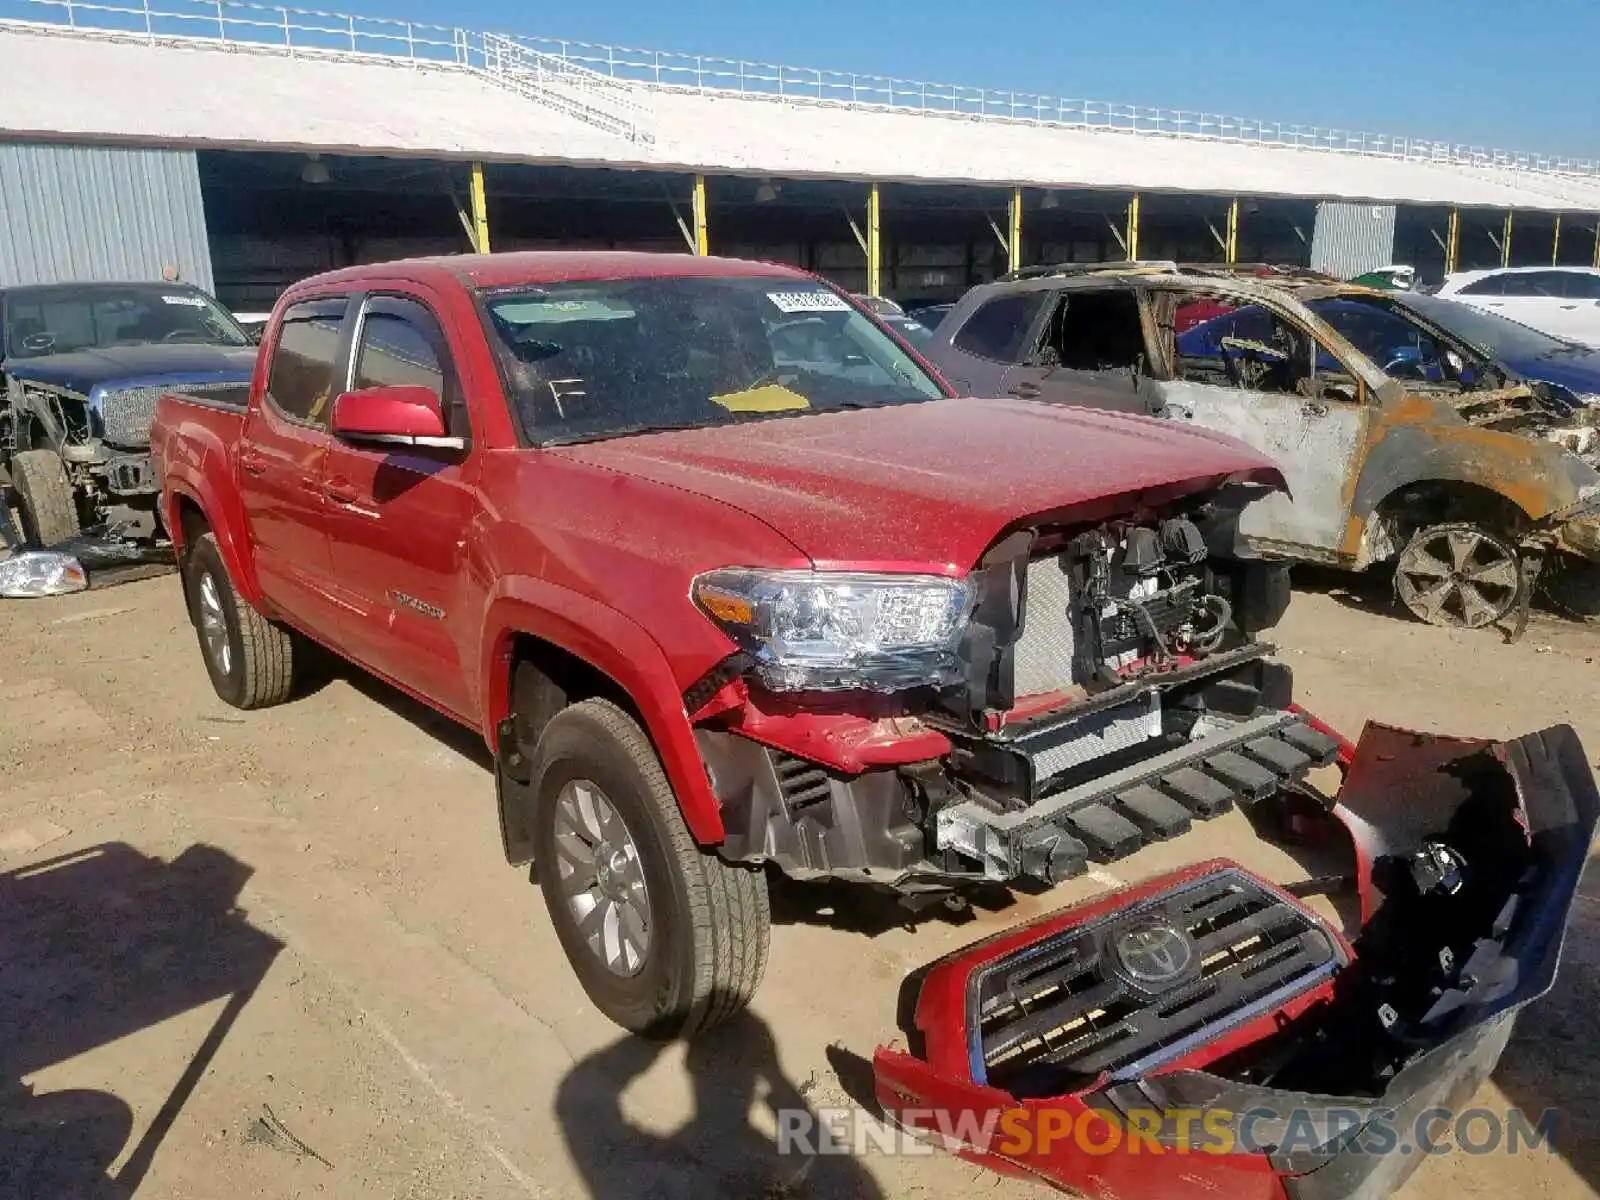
[203, 94]
[100, 213]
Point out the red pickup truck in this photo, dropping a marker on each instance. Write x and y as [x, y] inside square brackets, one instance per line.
[730, 581]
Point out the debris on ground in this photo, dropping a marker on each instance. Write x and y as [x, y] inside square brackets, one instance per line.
[268, 1130]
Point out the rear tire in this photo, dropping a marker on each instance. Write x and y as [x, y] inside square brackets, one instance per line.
[672, 940]
[48, 508]
[250, 660]
[1571, 586]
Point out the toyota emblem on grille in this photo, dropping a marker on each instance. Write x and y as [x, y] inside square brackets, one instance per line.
[1154, 953]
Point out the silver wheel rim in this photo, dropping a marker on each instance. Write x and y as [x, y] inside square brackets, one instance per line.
[214, 625]
[1458, 576]
[602, 878]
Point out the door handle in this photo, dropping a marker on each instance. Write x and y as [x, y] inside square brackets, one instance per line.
[341, 491]
[1026, 391]
[252, 463]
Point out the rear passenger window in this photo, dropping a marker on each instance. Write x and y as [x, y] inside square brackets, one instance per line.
[998, 330]
[300, 382]
[1490, 285]
[1582, 286]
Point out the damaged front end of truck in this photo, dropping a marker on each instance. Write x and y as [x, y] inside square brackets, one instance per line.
[1224, 1037]
[1104, 688]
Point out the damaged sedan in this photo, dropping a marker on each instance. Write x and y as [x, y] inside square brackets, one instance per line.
[1402, 444]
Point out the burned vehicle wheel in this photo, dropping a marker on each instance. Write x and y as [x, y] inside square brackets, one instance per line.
[1571, 586]
[1458, 574]
[667, 939]
[49, 509]
[250, 660]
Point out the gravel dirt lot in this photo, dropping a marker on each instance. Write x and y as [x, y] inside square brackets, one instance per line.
[279, 954]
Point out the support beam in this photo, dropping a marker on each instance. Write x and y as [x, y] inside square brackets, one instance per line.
[702, 238]
[1597, 243]
[874, 243]
[1232, 248]
[1555, 243]
[1132, 240]
[1014, 240]
[1452, 252]
[1505, 242]
[480, 211]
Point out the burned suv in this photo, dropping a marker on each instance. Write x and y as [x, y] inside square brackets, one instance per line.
[82, 365]
[1401, 443]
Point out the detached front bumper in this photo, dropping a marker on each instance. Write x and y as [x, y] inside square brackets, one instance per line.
[1206, 1033]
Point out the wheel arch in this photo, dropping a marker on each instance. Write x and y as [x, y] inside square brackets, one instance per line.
[190, 507]
[1386, 523]
[587, 650]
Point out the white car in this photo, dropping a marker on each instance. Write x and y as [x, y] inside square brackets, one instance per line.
[1561, 301]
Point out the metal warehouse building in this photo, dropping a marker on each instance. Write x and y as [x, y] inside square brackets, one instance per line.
[245, 147]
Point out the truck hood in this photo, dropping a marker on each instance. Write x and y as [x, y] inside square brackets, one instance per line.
[83, 370]
[930, 484]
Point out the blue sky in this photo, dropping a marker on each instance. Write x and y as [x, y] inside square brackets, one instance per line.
[1518, 76]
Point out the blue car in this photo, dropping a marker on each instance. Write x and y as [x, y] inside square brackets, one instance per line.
[1526, 351]
[1405, 350]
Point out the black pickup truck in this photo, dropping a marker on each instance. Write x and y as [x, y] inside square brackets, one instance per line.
[82, 365]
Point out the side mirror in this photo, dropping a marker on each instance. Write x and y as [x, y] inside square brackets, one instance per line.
[400, 415]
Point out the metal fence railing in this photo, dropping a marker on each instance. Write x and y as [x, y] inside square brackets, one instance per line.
[293, 30]
[602, 101]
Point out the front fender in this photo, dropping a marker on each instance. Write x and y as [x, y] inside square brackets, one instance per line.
[1539, 477]
[619, 648]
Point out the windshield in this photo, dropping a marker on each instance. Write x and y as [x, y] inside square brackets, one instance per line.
[599, 359]
[59, 320]
[1490, 333]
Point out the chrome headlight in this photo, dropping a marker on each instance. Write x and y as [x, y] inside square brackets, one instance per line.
[837, 630]
[32, 573]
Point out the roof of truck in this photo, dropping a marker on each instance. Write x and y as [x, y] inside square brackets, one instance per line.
[554, 266]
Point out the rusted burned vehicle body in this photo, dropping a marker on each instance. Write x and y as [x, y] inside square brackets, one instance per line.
[1401, 443]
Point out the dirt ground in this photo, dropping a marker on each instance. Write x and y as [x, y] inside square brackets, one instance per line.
[279, 954]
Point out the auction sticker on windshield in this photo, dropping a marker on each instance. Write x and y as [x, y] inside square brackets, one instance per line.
[186, 301]
[803, 302]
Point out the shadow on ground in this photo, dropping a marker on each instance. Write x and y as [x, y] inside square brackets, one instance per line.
[722, 1149]
[1553, 1059]
[96, 946]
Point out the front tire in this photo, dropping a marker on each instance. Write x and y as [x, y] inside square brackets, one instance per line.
[250, 660]
[1458, 575]
[48, 508]
[666, 938]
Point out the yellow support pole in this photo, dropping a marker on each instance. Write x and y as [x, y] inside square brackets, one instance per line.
[1555, 243]
[1133, 228]
[874, 243]
[1233, 231]
[1505, 242]
[1014, 234]
[1452, 253]
[480, 211]
[702, 233]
